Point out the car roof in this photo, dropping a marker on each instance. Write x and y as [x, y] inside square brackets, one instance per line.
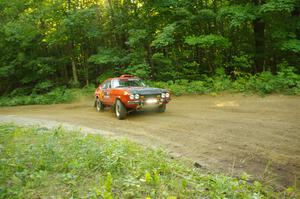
[125, 77]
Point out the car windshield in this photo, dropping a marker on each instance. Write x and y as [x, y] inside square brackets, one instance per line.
[127, 83]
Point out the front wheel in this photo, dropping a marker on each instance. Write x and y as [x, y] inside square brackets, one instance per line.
[161, 108]
[99, 105]
[121, 111]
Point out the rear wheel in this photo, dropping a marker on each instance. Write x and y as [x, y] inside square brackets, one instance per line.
[99, 105]
[161, 108]
[120, 109]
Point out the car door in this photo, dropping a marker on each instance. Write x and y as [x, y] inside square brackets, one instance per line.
[106, 92]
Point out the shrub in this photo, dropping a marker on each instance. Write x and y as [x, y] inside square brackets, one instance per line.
[58, 95]
[43, 87]
[285, 81]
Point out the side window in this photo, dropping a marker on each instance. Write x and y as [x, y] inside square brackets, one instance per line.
[104, 85]
[114, 83]
[107, 84]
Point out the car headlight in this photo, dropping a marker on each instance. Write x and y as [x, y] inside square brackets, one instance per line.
[167, 95]
[136, 96]
[163, 95]
[131, 97]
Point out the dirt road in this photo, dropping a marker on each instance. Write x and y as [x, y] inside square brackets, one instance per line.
[227, 133]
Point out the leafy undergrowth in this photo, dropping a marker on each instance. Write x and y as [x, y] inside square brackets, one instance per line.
[284, 82]
[56, 96]
[41, 163]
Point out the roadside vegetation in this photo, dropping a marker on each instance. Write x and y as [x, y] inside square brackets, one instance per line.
[55, 96]
[41, 163]
[285, 81]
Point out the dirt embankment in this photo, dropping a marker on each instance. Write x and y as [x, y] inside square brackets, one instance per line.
[227, 133]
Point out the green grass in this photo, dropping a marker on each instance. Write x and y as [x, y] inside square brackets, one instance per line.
[41, 163]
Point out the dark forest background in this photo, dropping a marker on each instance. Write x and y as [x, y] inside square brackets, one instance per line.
[49, 43]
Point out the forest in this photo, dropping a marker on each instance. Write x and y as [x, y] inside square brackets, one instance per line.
[46, 44]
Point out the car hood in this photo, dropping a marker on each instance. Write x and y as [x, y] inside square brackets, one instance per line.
[146, 90]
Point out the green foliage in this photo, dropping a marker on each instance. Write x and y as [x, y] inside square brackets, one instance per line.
[36, 161]
[136, 37]
[53, 97]
[108, 56]
[278, 6]
[237, 15]
[163, 67]
[206, 14]
[46, 44]
[20, 92]
[108, 187]
[165, 37]
[285, 81]
[148, 178]
[208, 41]
[292, 45]
[43, 87]
[58, 95]
[102, 77]
[22, 30]
[139, 70]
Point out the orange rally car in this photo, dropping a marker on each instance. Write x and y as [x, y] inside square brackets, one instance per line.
[129, 93]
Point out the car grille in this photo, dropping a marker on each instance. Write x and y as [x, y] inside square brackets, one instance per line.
[150, 96]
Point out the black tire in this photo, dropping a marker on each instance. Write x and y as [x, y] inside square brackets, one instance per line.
[120, 110]
[99, 105]
[161, 108]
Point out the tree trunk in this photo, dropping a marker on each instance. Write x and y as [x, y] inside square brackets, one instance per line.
[149, 57]
[66, 76]
[259, 40]
[86, 69]
[87, 76]
[74, 72]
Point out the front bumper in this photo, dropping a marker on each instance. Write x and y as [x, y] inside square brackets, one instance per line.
[144, 103]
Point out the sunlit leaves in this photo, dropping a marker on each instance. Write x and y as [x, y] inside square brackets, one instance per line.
[278, 6]
[237, 15]
[292, 45]
[82, 23]
[165, 37]
[206, 41]
[22, 31]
